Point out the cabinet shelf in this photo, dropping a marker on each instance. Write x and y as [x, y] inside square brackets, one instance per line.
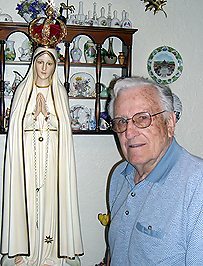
[82, 132]
[94, 65]
[92, 132]
[80, 64]
[98, 35]
[17, 63]
[86, 98]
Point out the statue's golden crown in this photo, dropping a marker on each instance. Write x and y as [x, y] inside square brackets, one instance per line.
[47, 31]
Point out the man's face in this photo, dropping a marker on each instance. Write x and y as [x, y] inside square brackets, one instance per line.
[143, 147]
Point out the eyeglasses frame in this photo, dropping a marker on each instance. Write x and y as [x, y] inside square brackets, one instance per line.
[128, 119]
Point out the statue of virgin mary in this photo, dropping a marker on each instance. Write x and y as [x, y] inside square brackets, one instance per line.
[40, 213]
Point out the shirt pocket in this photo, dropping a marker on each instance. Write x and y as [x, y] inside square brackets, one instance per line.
[150, 230]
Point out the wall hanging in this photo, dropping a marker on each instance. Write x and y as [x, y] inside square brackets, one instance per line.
[155, 5]
[165, 65]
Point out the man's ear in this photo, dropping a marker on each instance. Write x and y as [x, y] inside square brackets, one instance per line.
[171, 123]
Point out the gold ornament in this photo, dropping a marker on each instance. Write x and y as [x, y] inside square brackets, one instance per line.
[104, 219]
[157, 5]
[47, 31]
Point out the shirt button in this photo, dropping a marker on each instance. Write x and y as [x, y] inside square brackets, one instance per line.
[132, 194]
[126, 212]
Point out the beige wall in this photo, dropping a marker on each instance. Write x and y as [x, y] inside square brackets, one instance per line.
[95, 155]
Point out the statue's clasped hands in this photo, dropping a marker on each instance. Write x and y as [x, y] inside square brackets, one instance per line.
[40, 106]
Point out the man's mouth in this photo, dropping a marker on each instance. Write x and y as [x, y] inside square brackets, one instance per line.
[137, 145]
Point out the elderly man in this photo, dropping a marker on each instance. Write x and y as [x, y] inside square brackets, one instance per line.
[156, 194]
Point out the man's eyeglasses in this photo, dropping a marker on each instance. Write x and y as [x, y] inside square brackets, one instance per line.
[140, 120]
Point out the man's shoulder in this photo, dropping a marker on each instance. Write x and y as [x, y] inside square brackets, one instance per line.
[190, 168]
[118, 171]
[120, 167]
[117, 178]
[192, 159]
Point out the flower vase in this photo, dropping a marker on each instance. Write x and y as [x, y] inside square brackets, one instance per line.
[94, 18]
[76, 52]
[109, 15]
[80, 18]
[27, 17]
[92, 121]
[10, 53]
[115, 22]
[110, 57]
[17, 79]
[121, 58]
[89, 51]
[102, 20]
[103, 54]
[126, 23]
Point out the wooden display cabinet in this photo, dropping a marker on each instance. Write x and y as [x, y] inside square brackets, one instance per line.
[98, 35]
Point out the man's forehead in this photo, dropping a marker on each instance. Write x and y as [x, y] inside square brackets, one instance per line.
[148, 93]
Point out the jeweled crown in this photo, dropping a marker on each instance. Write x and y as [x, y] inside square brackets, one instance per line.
[47, 31]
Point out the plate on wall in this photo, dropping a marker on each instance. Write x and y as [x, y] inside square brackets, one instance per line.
[165, 65]
[82, 84]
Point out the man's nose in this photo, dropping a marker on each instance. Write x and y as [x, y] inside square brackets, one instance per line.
[131, 130]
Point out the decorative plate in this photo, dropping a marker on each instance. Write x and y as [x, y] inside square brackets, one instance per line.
[82, 84]
[80, 117]
[165, 65]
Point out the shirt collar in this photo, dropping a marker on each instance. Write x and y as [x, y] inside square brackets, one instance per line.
[159, 173]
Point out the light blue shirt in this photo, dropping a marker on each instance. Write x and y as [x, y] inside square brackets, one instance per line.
[158, 221]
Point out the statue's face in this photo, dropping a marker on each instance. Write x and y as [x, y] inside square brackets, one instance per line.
[44, 66]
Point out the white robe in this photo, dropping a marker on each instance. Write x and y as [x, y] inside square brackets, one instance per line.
[46, 212]
[58, 234]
